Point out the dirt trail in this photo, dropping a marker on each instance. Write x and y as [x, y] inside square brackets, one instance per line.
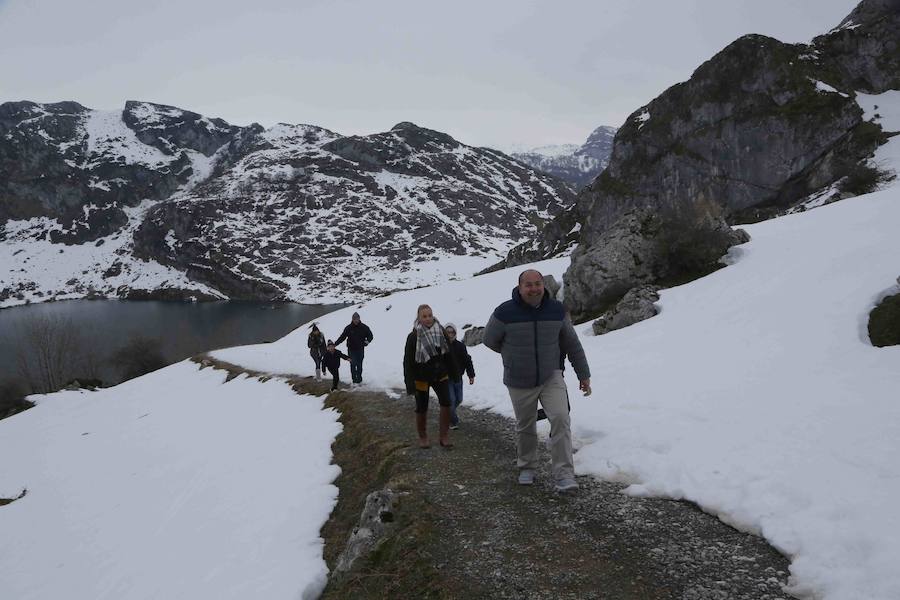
[463, 528]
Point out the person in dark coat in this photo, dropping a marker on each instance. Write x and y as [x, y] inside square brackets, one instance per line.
[358, 336]
[331, 360]
[317, 347]
[463, 364]
[427, 363]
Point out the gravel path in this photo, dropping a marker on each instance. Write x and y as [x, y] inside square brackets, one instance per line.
[491, 538]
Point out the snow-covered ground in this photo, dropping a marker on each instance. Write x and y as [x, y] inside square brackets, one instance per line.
[755, 393]
[173, 485]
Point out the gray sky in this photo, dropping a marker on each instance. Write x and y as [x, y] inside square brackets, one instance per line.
[488, 72]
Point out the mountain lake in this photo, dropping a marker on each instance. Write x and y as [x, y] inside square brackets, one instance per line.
[183, 329]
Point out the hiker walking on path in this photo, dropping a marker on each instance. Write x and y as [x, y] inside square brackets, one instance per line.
[331, 360]
[358, 336]
[533, 335]
[462, 364]
[317, 348]
[427, 363]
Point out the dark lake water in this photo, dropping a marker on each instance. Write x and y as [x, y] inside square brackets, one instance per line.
[183, 329]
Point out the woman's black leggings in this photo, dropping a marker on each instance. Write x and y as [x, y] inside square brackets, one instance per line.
[441, 389]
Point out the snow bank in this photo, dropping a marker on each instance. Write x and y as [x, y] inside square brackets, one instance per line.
[172, 485]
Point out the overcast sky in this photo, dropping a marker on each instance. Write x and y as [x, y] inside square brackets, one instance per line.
[489, 72]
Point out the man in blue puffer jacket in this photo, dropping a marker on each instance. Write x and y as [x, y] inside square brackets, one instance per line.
[533, 335]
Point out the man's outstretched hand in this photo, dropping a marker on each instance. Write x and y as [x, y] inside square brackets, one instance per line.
[585, 386]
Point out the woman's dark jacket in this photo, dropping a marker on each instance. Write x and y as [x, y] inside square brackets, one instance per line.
[462, 361]
[332, 360]
[437, 369]
[316, 342]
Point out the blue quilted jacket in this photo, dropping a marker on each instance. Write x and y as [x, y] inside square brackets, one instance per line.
[534, 341]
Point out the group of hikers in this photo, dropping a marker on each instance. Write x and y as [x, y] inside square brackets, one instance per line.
[533, 335]
[327, 357]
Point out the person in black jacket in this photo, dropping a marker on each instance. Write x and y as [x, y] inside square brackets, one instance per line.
[463, 364]
[358, 336]
[316, 345]
[331, 360]
[427, 363]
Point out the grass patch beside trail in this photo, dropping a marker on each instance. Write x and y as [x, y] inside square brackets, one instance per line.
[401, 566]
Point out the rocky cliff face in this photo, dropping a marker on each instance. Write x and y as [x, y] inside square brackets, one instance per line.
[576, 165]
[757, 129]
[157, 201]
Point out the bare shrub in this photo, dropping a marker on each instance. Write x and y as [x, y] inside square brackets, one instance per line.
[140, 355]
[884, 322]
[12, 398]
[692, 239]
[50, 353]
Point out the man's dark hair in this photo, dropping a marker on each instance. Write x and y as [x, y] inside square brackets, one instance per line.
[522, 274]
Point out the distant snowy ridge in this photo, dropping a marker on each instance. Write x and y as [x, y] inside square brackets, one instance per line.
[574, 164]
[155, 201]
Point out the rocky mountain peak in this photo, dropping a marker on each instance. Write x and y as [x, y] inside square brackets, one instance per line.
[599, 142]
[759, 128]
[868, 13]
[403, 148]
[863, 51]
[404, 125]
[574, 164]
[171, 129]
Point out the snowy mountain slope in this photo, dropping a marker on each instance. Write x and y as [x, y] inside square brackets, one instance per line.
[755, 393]
[576, 165]
[204, 491]
[174, 204]
[333, 217]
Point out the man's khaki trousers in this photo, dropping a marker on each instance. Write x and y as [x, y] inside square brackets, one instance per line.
[555, 400]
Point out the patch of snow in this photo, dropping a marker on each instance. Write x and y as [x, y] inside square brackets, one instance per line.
[642, 118]
[817, 199]
[824, 88]
[152, 114]
[210, 489]
[108, 136]
[47, 271]
[884, 109]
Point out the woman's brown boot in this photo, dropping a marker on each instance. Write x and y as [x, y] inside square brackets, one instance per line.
[422, 428]
[444, 424]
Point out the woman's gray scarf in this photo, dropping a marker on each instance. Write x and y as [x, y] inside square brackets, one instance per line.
[430, 342]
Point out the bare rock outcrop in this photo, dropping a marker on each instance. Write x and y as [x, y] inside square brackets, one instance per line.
[637, 305]
[374, 523]
[644, 247]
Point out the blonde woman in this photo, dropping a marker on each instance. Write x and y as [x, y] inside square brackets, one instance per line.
[427, 364]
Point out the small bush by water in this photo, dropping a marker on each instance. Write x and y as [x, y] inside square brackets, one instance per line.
[12, 398]
[139, 356]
